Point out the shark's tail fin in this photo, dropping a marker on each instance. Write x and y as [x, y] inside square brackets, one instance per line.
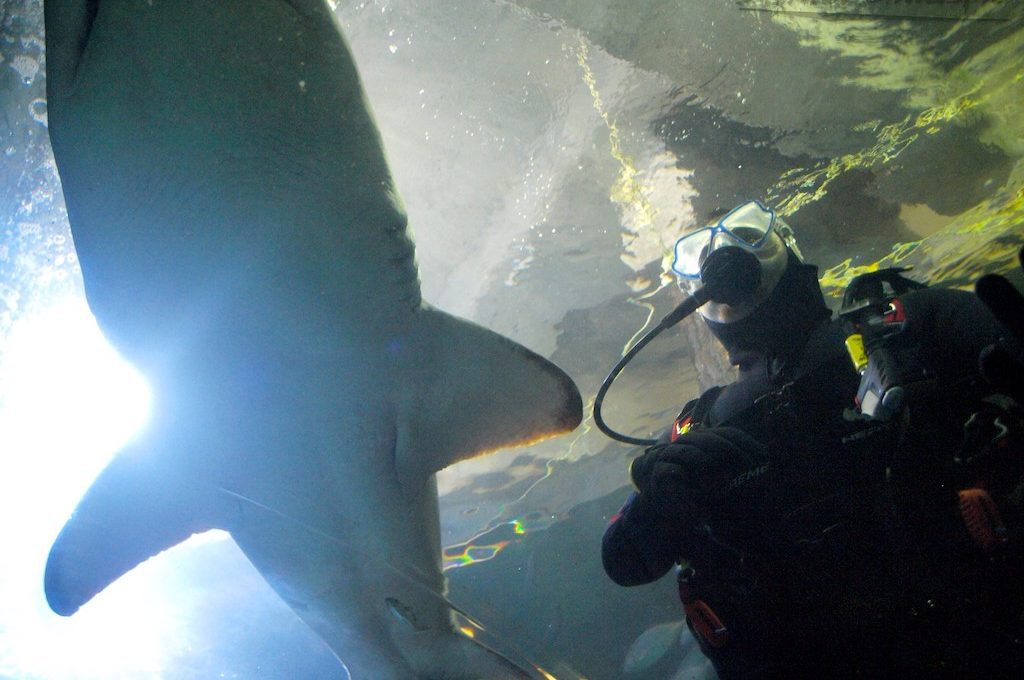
[475, 391]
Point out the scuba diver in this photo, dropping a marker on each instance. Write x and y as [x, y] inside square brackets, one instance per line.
[850, 506]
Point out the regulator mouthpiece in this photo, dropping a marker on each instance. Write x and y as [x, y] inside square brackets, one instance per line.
[731, 275]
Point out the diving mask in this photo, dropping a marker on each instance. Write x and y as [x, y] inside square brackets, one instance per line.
[751, 227]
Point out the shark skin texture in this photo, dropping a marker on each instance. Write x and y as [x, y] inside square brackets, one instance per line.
[243, 244]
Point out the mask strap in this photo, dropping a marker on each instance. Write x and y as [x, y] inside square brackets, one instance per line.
[785, 232]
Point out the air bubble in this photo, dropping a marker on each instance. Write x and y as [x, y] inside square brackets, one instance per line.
[27, 68]
[37, 109]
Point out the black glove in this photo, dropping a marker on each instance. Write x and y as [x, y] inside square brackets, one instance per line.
[703, 464]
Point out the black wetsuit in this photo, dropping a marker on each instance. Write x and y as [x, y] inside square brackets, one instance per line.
[843, 553]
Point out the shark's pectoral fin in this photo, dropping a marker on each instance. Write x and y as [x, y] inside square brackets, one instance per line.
[135, 509]
[473, 392]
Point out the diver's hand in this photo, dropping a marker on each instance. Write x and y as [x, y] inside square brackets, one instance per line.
[702, 463]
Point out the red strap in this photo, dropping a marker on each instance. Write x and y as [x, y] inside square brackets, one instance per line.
[706, 623]
[982, 519]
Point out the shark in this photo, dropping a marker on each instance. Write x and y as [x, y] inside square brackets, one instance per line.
[243, 244]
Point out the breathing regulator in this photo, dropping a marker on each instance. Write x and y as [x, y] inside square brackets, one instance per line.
[731, 276]
[731, 267]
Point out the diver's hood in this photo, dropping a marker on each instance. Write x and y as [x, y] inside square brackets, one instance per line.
[780, 324]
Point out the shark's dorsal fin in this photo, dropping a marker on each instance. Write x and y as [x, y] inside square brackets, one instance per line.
[135, 509]
[475, 392]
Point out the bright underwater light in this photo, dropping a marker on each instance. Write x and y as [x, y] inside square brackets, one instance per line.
[68, 402]
[66, 397]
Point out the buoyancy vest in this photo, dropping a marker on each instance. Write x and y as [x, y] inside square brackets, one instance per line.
[833, 537]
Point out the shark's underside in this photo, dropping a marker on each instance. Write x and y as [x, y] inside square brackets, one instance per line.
[242, 243]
